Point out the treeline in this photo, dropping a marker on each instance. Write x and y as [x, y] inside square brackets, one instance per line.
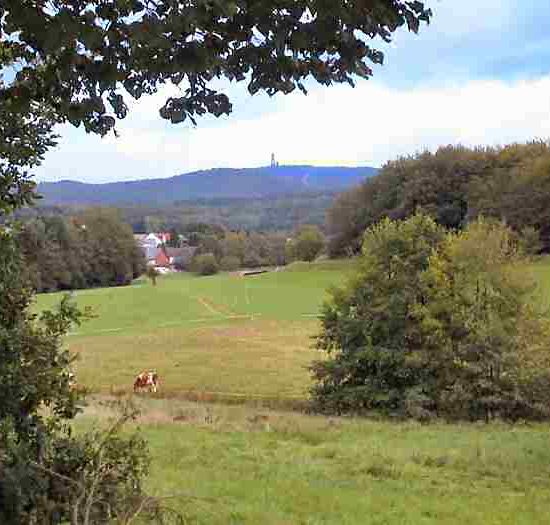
[234, 250]
[268, 214]
[93, 249]
[455, 186]
[221, 249]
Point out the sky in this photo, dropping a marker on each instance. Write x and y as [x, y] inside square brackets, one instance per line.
[479, 74]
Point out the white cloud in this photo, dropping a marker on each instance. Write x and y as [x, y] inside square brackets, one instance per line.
[336, 126]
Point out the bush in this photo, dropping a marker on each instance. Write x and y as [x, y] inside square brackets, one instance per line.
[205, 264]
[47, 475]
[94, 478]
[230, 263]
[435, 324]
[308, 244]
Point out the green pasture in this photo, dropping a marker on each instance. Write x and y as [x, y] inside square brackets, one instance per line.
[228, 359]
[183, 299]
[218, 337]
[228, 338]
[540, 270]
[221, 336]
[222, 464]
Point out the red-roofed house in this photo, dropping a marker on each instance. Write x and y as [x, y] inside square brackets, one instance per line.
[162, 260]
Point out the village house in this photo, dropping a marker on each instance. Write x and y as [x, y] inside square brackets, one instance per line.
[151, 243]
[161, 260]
[173, 259]
[180, 258]
[162, 257]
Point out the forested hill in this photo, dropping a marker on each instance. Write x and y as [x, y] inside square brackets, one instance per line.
[211, 184]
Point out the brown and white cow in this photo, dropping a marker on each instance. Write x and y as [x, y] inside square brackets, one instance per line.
[148, 381]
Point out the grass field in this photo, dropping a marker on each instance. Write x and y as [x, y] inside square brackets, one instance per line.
[235, 465]
[223, 335]
[228, 338]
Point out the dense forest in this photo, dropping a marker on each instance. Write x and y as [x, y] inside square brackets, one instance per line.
[92, 249]
[455, 185]
[267, 214]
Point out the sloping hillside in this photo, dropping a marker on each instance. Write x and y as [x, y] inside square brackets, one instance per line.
[211, 184]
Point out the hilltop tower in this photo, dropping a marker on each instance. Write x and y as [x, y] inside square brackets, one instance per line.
[274, 163]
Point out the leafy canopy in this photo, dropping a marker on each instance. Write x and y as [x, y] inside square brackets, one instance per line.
[436, 323]
[308, 243]
[79, 56]
[454, 185]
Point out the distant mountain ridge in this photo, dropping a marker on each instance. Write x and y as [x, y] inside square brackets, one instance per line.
[209, 184]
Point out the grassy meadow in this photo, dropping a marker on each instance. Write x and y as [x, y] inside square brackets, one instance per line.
[226, 338]
[224, 335]
[219, 464]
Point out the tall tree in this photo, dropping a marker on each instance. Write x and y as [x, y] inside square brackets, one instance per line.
[436, 323]
[308, 243]
[454, 185]
[367, 329]
[93, 249]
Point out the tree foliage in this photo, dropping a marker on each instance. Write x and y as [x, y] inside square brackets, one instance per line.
[435, 324]
[80, 57]
[48, 475]
[230, 263]
[237, 249]
[367, 327]
[485, 340]
[307, 244]
[92, 249]
[454, 185]
[205, 264]
[260, 214]
[24, 139]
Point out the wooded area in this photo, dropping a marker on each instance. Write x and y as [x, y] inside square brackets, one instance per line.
[92, 249]
[454, 185]
[436, 324]
[260, 214]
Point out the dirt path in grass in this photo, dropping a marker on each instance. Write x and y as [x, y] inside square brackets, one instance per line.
[215, 308]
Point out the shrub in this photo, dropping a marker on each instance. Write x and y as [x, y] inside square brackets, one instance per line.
[435, 324]
[230, 263]
[205, 264]
[308, 244]
[46, 474]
